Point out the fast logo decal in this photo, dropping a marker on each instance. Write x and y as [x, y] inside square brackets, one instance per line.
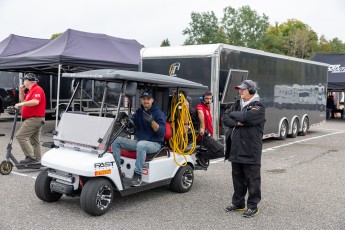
[173, 68]
[104, 164]
[103, 168]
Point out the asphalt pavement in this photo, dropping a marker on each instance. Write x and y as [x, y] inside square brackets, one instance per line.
[302, 188]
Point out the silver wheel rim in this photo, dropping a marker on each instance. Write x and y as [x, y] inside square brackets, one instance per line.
[187, 178]
[283, 130]
[103, 197]
[305, 125]
[294, 127]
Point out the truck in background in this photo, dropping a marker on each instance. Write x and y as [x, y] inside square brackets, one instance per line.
[293, 90]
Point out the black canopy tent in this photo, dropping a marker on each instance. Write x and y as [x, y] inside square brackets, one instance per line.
[76, 51]
[336, 70]
[15, 44]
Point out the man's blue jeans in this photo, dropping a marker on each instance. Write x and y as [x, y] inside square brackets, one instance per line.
[141, 147]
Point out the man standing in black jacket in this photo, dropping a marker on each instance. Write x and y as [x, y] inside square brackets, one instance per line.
[245, 120]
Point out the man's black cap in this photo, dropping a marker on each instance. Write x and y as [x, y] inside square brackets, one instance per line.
[30, 77]
[147, 93]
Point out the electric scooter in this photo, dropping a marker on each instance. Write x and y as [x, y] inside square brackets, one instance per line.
[6, 165]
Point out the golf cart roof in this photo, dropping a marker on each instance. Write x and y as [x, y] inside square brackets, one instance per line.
[114, 75]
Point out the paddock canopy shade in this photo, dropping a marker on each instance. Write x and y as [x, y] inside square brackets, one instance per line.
[336, 70]
[77, 51]
[15, 44]
[114, 75]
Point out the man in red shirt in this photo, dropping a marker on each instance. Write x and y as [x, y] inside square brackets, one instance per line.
[215, 149]
[33, 104]
[204, 114]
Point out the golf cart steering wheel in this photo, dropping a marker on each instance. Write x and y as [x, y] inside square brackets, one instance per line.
[130, 126]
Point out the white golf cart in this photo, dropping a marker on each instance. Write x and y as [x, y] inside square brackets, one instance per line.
[81, 164]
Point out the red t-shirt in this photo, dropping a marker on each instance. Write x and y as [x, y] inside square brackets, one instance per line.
[35, 92]
[207, 117]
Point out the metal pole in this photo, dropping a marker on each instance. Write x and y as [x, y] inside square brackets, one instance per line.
[103, 100]
[58, 97]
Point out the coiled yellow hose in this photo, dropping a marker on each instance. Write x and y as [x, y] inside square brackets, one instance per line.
[180, 118]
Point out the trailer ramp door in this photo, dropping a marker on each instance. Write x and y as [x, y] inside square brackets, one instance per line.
[235, 77]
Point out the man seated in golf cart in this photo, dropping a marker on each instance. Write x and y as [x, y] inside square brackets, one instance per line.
[150, 127]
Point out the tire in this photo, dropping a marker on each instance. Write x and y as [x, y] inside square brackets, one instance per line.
[283, 130]
[42, 188]
[183, 179]
[305, 125]
[97, 196]
[6, 167]
[295, 128]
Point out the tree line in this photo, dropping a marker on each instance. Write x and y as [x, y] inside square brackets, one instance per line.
[245, 27]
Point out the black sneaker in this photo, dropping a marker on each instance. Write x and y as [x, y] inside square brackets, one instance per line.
[233, 208]
[27, 160]
[136, 180]
[200, 160]
[250, 213]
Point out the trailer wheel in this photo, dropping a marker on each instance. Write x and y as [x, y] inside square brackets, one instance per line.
[183, 179]
[295, 128]
[42, 188]
[283, 130]
[6, 167]
[97, 196]
[305, 125]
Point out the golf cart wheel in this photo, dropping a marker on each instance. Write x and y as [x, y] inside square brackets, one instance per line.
[97, 196]
[6, 167]
[183, 180]
[42, 188]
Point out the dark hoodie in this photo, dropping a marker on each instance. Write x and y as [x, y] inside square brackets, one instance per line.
[144, 131]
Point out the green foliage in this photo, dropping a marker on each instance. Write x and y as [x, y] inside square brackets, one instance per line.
[337, 46]
[244, 27]
[292, 38]
[55, 36]
[165, 42]
[203, 29]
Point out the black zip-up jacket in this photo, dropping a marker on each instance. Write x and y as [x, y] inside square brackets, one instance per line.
[244, 143]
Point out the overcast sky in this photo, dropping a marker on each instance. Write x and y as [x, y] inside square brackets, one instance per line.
[151, 21]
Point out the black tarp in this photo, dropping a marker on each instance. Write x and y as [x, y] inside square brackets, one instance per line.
[336, 70]
[76, 51]
[15, 44]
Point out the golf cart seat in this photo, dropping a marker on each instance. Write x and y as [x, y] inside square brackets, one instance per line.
[163, 152]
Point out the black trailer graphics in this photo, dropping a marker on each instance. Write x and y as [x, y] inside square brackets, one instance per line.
[292, 90]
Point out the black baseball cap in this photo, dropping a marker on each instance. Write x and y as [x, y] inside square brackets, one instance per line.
[147, 93]
[30, 77]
